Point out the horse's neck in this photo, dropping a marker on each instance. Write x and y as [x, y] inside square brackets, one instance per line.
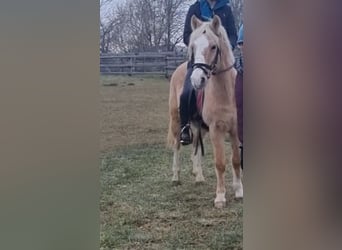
[222, 87]
[226, 59]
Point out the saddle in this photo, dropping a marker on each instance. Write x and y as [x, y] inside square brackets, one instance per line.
[199, 100]
[197, 117]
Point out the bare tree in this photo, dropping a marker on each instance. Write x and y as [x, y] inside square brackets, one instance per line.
[153, 25]
[146, 25]
[106, 26]
[174, 15]
[237, 9]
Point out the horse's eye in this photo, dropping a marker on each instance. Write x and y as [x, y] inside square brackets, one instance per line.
[213, 47]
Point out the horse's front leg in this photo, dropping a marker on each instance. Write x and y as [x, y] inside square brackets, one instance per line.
[217, 139]
[176, 151]
[175, 165]
[236, 163]
[197, 158]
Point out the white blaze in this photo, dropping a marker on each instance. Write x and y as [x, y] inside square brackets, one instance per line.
[200, 44]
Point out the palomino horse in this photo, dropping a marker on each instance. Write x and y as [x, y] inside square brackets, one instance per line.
[213, 61]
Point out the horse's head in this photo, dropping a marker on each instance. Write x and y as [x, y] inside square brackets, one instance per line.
[205, 47]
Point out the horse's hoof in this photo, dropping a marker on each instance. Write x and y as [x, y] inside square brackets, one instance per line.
[239, 192]
[199, 183]
[238, 195]
[199, 180]
[176, 183]
[220, 204]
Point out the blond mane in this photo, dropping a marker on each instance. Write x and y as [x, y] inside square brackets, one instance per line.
[221, 38]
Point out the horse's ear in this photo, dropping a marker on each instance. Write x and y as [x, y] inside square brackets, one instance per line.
[195, 22]
[215, 24]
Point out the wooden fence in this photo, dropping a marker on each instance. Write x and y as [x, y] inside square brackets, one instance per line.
[141, 64]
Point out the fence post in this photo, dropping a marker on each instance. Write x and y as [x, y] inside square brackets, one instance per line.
[131, 62]
[166, 67]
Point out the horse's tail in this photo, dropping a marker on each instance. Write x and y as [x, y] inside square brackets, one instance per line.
[174, 120]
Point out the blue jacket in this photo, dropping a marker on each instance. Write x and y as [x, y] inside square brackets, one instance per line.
[227, 20]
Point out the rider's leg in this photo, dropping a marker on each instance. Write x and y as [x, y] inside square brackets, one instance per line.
[185, 109]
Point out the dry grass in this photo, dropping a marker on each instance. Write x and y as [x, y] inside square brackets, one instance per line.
[140, 209]
[134, 111]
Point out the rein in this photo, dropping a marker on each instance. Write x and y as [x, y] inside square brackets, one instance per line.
[211, 69]
[223, 70]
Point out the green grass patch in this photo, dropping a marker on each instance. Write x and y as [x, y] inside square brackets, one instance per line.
[139, 206]
[140, 209]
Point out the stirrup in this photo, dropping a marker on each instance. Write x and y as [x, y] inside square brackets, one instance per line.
[186, 142]
[185, 126]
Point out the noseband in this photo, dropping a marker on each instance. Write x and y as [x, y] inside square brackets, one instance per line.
[210, 69]
[207, 69]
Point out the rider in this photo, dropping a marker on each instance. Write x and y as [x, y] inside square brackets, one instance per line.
[203, 10]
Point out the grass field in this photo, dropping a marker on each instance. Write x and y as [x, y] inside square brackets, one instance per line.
[140, 209]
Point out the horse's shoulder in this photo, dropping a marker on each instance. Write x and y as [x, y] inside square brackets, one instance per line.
[180, 70]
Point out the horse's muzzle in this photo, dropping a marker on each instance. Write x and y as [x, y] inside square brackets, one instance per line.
[198, 79]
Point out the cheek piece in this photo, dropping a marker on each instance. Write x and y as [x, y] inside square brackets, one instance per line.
[208, 69]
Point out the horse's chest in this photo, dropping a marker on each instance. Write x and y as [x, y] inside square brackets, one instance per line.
[217, 108]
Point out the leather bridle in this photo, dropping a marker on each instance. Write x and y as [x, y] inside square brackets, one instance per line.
[210, 69]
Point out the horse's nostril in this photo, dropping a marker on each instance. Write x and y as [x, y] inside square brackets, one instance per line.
[202, 80]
